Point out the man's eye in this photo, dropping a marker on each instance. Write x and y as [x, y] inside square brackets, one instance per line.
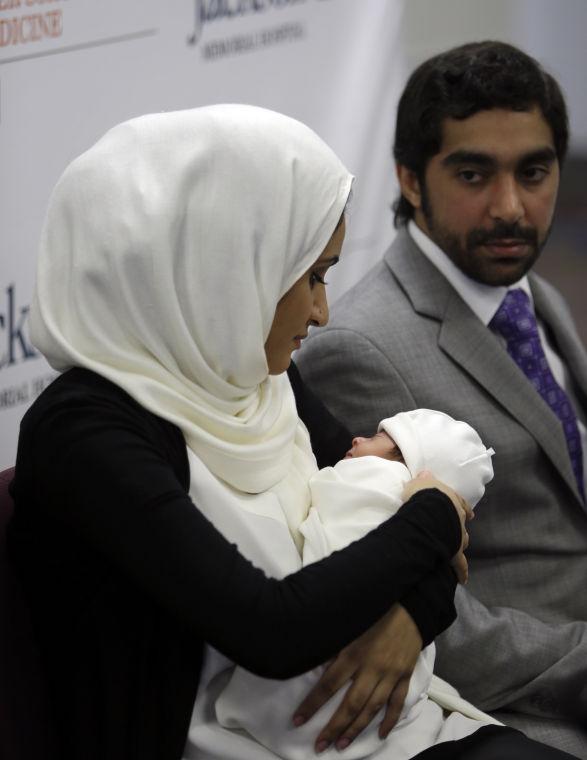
[470, 176]
[534, 173]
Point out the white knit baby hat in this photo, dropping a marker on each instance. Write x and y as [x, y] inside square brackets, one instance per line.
[450, 449]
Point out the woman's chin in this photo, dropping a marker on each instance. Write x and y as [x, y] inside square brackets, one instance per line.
[278, 367]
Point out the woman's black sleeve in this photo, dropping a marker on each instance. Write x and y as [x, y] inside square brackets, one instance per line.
[100, 475]
[431, 602]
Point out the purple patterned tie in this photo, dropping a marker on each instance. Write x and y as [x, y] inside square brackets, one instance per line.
[515, 320]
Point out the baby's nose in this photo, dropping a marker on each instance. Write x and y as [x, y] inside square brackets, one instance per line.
[358, 440]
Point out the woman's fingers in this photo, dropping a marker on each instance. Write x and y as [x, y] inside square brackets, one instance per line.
[464, 510]
[468, 509]
[375, 664]
[356, 710]
[426, 479]
[394, 706]
[461, 567]
[332, 679]
[360, 706]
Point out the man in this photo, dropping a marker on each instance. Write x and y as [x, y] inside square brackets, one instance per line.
[481, 135]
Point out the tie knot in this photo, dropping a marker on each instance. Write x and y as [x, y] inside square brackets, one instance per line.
[515, 317]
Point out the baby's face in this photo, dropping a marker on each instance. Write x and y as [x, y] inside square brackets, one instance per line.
[380, 445]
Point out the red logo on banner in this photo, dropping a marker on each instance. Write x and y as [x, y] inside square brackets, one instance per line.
[31, 28]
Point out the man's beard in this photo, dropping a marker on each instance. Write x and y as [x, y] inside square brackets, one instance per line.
[469, 257]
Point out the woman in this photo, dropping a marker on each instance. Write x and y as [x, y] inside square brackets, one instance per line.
[182, 261]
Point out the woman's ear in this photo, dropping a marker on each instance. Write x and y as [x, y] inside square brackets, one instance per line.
[409, 185]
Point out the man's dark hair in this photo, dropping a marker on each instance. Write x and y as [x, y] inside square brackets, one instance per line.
[459, 83]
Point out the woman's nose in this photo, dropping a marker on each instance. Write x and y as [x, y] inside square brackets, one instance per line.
[320, 308]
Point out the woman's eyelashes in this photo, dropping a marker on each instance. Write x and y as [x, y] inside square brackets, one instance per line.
[321, 267]
[316, 277]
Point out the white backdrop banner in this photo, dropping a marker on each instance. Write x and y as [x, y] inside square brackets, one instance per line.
[70, 69]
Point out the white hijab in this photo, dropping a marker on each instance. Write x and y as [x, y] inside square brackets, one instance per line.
[165, 250]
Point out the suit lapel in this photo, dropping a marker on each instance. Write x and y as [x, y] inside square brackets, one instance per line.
[470, 344]
[568, 342]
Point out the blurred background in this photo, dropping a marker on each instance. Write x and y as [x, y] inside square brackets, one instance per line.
[70, 69]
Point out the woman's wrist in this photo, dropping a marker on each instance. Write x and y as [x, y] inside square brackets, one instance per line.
[434, 511]
[431, 602]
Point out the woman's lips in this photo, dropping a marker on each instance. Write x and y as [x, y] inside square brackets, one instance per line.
[298, 340]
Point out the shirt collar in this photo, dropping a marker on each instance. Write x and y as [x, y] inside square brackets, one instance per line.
[483, 300]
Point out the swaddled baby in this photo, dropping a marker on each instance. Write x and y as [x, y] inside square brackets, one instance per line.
[348, 500]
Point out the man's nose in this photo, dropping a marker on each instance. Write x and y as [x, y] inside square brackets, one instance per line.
[506, 203]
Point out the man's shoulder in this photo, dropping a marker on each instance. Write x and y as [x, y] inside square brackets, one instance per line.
[359, 301]
[405, 281]
[370, 300]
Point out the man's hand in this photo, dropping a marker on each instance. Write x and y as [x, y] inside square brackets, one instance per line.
[425, 480]
[380, 664]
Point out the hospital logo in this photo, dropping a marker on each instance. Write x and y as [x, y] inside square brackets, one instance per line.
[208, 11]
[14, 344]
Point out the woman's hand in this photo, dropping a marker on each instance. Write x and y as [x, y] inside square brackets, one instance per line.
[380, 664]
[425, 480]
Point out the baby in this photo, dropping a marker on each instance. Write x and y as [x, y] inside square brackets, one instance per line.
[348, 500]
[365, 487]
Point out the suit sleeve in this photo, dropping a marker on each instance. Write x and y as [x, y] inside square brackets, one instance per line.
[100, 476]
[498, 658]
[527, 665]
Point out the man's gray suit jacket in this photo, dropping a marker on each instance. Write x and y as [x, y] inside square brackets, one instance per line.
[402, 338]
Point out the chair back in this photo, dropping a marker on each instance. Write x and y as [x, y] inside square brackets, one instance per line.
[23, 715]
[6, 505]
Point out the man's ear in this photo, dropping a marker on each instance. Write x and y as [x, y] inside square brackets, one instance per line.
[409, 185]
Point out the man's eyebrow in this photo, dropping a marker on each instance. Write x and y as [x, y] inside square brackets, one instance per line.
[540, 156]
[468, 157]
[476, 158]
